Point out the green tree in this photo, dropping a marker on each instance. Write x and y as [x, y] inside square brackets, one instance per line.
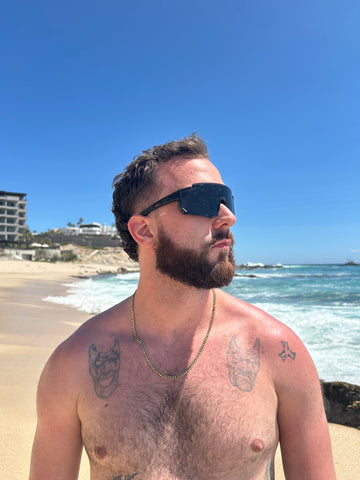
[27, 236]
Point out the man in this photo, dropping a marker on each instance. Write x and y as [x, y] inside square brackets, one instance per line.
[181, 381]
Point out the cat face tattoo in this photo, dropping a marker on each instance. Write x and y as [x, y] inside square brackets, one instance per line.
[243, 365]
[104, 369]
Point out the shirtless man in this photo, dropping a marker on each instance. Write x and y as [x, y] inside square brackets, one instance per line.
[182, 381]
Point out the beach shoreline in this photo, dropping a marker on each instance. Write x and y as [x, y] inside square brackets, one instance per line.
[30, 330]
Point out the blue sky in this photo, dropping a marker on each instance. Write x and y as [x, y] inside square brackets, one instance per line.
[272, 86]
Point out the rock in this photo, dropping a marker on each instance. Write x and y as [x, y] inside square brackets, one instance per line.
[342, 403]
[107, 259]
[250, 275]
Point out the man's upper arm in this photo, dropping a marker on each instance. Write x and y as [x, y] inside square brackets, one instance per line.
[57, 444]
[304, 434]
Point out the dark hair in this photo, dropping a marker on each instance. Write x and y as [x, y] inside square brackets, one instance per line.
[138, 180]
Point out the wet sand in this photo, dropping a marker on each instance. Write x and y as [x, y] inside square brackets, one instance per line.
[30, 329]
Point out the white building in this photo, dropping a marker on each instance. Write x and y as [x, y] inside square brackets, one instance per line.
[107, 230]
[12, 215]
[93, 228]
[90, 229]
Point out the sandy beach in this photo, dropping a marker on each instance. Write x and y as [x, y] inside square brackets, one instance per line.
[30, 330]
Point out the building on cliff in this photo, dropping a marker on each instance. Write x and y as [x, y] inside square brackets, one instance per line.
[12, 215]
[93, 228]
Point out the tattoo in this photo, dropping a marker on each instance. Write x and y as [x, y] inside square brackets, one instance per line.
[127, 476]
[270, 471]
[286, 352]
[104, 369]
[243, 365]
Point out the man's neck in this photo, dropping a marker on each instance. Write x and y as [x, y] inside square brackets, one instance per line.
[168, 309]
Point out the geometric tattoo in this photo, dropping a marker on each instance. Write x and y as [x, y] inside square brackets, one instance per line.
[104, 369]
[243, 365]
[286, 352]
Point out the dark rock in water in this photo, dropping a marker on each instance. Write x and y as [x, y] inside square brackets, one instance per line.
[250, 275]
[342, 403]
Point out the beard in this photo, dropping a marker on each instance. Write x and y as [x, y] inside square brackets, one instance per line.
[192, 267]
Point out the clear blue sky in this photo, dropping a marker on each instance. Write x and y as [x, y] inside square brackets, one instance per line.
[272, 86]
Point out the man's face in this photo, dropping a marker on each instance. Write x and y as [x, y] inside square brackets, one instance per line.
[193, 267]
[191, 249]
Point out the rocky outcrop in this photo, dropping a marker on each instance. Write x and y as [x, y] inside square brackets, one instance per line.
[342, 403]
[108, 259]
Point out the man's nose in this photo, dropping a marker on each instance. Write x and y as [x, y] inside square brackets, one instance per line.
[225, 217]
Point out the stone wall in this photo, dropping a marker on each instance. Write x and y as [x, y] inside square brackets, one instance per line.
[99, 241]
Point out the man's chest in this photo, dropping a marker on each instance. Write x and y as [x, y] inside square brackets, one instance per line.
[197, 427]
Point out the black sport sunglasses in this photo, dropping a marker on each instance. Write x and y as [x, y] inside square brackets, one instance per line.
[201, 199]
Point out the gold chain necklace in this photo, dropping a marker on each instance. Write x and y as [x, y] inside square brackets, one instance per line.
[148, 359]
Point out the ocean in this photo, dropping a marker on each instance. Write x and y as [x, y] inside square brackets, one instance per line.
[321, 303]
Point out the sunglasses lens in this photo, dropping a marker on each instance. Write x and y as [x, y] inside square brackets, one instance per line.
[205, 199]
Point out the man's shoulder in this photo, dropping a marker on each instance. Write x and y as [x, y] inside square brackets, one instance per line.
[241, 310]
[71, 357]
[274, 335]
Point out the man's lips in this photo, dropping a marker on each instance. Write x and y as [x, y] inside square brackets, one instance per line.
[226, 243]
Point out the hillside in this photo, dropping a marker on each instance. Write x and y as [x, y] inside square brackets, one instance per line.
[111, 259]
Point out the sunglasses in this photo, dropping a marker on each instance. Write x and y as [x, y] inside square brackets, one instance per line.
[201, 199]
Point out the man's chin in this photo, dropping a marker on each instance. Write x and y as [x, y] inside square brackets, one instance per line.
[219, 254]
[223, 267]
[223, 273]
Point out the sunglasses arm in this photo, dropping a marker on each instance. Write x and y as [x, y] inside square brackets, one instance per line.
[164, 201]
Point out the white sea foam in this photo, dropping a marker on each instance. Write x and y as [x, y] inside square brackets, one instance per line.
[94, 295]
[253, 265]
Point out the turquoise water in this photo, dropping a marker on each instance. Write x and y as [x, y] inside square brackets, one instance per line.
[321, 303]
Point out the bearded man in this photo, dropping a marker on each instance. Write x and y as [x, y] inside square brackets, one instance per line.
[181, 381]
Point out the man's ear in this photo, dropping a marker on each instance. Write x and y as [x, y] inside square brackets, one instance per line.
[141, 229]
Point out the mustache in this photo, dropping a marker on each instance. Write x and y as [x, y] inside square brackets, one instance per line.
[222, 236]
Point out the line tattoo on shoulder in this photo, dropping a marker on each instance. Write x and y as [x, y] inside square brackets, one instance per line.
[243, 364]
[104, 369]
[286, 352]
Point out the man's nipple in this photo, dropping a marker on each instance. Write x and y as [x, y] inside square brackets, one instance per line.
[257, 445]
[100, 452]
